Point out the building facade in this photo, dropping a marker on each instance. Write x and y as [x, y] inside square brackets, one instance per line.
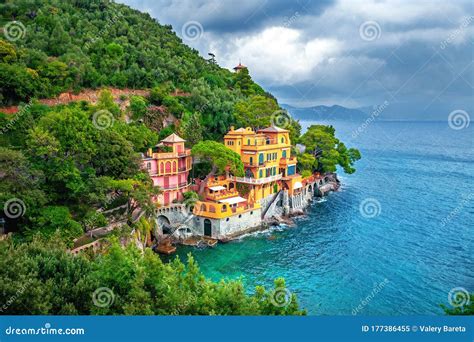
[223, 212]
[169, 164]
[266, 154]
[230, 206]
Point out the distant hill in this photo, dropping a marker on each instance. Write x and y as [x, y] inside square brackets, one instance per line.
[322, 113]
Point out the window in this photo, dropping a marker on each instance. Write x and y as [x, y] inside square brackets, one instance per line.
[148, 166]
[282, 140]
[240, 216]
[248, 141]
[227, 219]
[283, 154]
[251, 213]
[251, 160]
[260, 174]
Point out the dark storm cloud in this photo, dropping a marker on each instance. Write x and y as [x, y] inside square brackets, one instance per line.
[227, 16]
[417, 55]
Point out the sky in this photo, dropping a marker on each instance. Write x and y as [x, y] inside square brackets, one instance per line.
[417, 56]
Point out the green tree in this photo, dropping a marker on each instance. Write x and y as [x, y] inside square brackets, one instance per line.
[54, 219]
[221, 157]
[256, 112]
[40, 277]
[320, 141]
[462, 310]
[7, 52]
[20, 184]
[192, 129]
[106, 102]
[138, 107]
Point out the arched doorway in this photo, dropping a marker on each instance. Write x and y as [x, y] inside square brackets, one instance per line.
[207, 227]
[164, 224]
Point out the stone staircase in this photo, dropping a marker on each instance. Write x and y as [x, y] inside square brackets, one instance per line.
[272, 209]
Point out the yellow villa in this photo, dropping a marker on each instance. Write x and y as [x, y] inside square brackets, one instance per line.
[266, 154]
[230, 206]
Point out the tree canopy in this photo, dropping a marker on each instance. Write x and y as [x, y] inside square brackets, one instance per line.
[221, 157]
[41, 278]
[64, 162]
[324, 151]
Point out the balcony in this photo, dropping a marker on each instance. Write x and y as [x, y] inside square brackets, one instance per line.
[221, 195]
[221, 210]
[248, 180]
[184, 153]
[287, 161]
[170, 155]
[174, 186]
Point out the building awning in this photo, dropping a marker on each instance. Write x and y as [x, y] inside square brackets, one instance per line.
[217, 188]
[298, 185]
[233, 200]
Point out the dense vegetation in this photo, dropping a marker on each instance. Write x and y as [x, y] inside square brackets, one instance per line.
[71, 45]
[63, 167]
[68, 164]
[324, 152]
[462, 310]
[40, 278]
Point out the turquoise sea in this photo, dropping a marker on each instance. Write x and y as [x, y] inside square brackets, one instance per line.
[394, 241]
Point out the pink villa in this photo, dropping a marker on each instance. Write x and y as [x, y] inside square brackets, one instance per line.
[169, 164]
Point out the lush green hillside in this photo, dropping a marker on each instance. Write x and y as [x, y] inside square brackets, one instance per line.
[71, 45]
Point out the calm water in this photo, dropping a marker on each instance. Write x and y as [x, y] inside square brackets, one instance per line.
[421, 242]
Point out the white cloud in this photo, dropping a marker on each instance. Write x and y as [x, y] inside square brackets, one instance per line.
[277, 54]
[319, 55]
